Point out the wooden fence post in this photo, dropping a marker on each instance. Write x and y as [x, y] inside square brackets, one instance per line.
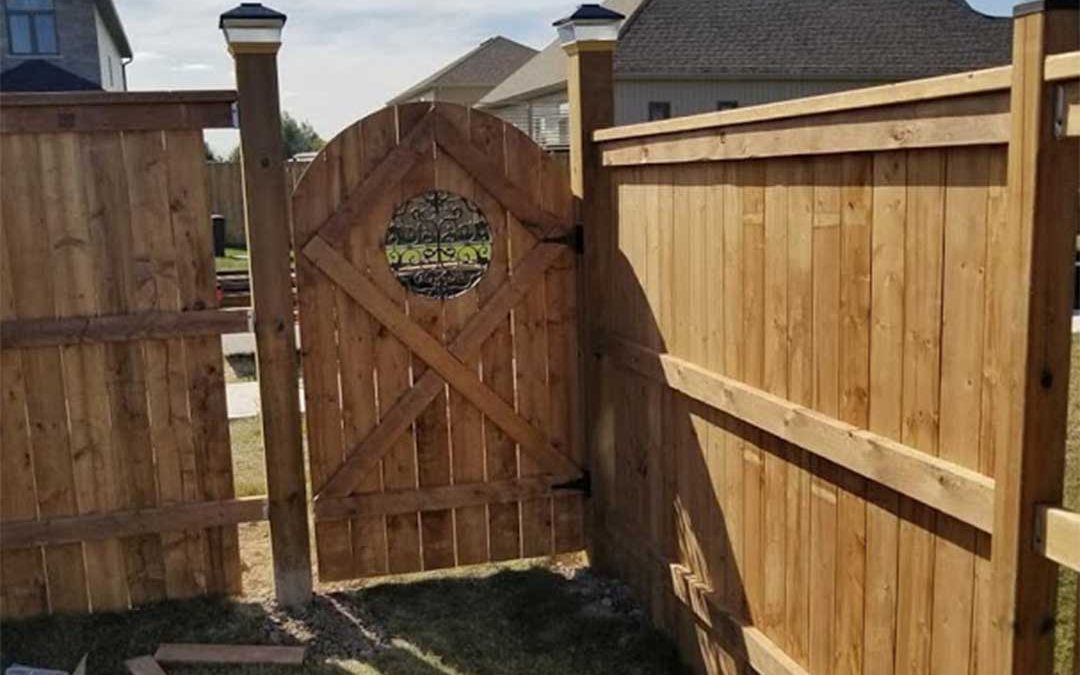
[253, 33]
[1029, 282]
[588, 36]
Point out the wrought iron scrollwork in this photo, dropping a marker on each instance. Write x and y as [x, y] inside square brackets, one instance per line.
[438, 244]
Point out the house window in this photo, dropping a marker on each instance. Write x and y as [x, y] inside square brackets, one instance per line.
[31, 26]
[726, 105]
[659, 110]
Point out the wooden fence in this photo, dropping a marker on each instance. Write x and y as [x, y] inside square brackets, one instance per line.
[836, 364]
[226, 186]
[115, 464]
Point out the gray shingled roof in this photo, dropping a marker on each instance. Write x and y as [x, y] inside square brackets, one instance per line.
[877, 39]
[485, 66]
[547, 70]
[782, 39]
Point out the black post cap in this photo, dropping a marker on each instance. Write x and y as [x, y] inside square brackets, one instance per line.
[251, 10]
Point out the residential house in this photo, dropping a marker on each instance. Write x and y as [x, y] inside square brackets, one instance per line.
[470, 77]
[683, 57]
[62, 45]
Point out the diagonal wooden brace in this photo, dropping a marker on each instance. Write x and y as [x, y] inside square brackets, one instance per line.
[443, 363]
[490, 175]
[391, 170]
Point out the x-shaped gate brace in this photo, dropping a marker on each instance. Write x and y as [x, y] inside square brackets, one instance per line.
[447, 363]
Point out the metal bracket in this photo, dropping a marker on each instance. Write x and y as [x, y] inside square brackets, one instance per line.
[574, 238]
[582, 484]
[1061, 111]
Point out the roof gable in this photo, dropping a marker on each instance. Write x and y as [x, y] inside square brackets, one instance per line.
[783, 39]
[40, 75]
[485, 66]
[836, 39]
[546, 70]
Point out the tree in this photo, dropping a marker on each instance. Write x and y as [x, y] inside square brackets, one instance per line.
[295, 135]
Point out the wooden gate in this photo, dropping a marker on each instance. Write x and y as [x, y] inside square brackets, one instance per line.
[442, 398]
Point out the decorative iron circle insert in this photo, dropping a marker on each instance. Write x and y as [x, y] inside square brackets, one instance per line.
[438, 244]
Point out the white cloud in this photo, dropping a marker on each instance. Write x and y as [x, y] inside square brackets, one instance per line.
[192, 67]
[341, 59]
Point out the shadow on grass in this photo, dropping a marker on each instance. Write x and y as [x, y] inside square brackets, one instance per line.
[512, 622]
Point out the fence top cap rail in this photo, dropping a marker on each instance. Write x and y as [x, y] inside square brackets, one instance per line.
[944, 86]
[22, 100]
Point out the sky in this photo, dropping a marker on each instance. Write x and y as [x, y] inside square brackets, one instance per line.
[340, 59]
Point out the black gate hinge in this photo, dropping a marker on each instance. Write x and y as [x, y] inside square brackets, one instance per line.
[582, 484]
[574, 238]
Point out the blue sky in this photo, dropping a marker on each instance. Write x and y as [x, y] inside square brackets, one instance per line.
[341, 59]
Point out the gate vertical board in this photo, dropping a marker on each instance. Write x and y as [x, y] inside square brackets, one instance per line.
[457, 411]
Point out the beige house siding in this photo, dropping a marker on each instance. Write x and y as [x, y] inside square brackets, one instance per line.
[544, 117]
[691, 97]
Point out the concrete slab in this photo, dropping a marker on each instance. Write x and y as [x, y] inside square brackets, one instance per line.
[242, 400]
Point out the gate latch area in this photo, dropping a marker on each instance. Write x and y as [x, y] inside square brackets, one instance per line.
[582, 484]
[574, 238]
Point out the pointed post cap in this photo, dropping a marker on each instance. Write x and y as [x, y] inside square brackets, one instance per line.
[589, 23]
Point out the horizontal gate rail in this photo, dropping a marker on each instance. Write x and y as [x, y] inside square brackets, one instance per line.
[26, 333]
[121, 524]
[438, 498]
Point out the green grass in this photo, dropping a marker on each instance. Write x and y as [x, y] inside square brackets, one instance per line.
[234, 259]
[1067, 593]
[515, 621]
[249, 469]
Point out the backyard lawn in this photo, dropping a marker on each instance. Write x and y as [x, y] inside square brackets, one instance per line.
[234, 259]
[541, 617]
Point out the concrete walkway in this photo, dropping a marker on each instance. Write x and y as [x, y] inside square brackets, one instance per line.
[243, 400]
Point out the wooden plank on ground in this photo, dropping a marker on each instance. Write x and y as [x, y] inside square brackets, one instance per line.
[144, 665]
[229, 654]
